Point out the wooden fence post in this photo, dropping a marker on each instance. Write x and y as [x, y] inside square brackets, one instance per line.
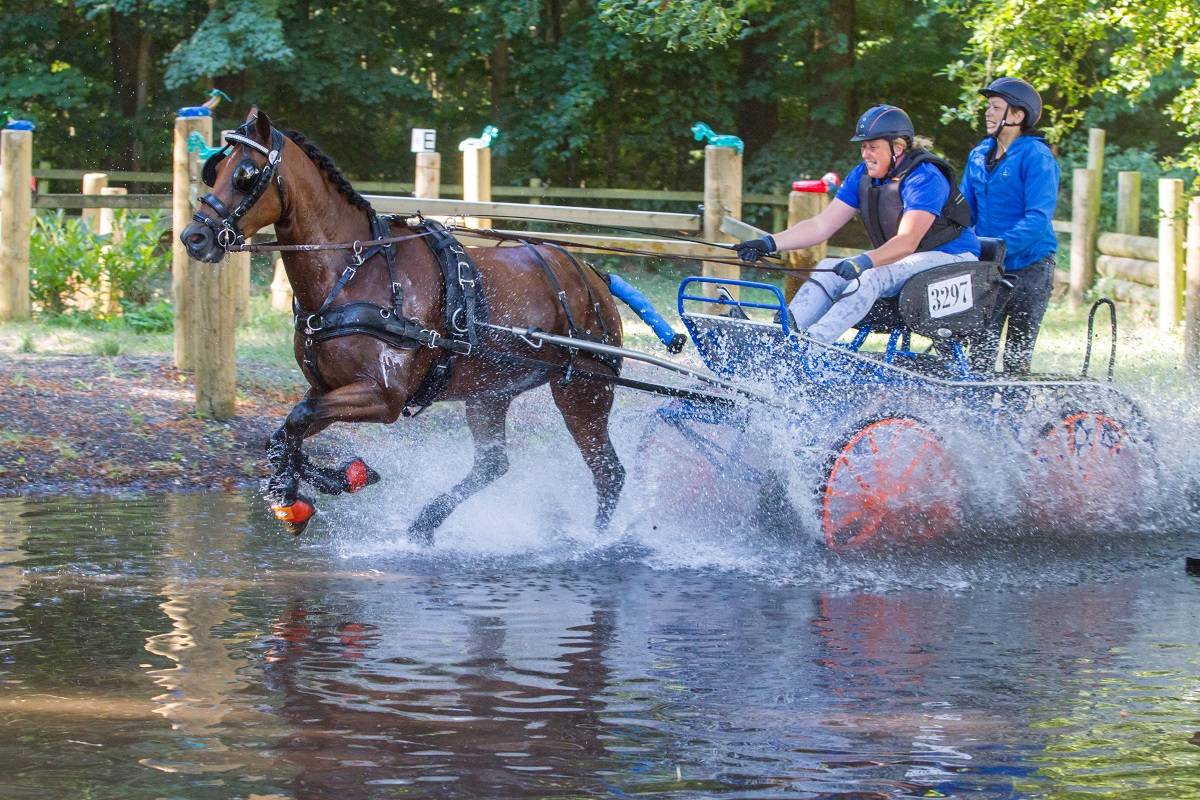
[16, 222]
[429, 175]
[107, 297]
[477, 180]
[1129, 202]
[1170, 252]
[240, 263]
[1191, 314]
[722, 195]
[93, 183]
[281, 288]
[1095, 162]
[185, 175]
[1083, 235]
[802, 205]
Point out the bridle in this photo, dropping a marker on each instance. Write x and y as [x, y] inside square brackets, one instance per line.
[248, 179]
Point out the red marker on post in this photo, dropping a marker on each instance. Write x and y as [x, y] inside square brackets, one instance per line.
[827, 183]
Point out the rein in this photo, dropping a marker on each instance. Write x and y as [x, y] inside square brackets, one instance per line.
[501, 236]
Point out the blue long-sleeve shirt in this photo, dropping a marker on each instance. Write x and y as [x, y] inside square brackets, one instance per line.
[1015, 200]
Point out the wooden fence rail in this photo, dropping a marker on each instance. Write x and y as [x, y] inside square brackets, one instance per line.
[1135, 268]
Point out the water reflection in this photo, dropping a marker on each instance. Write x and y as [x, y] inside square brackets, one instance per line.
[183, 649]
[203, 565]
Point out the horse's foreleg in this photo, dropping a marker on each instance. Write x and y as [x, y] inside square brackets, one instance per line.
[485, 418]
[358, 402]
[585, 406]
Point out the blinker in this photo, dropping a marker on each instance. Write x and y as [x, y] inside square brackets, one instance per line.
[208, 174]
[245, 176]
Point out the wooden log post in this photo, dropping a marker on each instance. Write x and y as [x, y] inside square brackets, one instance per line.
[1170, 253]
[281, 288]
[1129, 202]
[16, 222]
[801, 206]
[1083, 232]
[722, 195]
[93, 183]
[185, 182]
[1095, 162]
[1191, 310]
[240, 264]
[477, 180]
[429, 175]
[214, 287]
[108, 295]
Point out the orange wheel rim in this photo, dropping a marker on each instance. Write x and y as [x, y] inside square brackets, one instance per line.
[1086, 464]
[892, 481]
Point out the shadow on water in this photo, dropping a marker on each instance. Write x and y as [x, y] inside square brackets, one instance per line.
[180, 646]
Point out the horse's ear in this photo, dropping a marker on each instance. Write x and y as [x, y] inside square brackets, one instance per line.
[263, 128]
[252, 113]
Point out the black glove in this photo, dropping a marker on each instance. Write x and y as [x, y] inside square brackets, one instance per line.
[752, 250]
[850, 268]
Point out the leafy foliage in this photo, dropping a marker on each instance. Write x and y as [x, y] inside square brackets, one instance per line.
[68, 260]
[598, 93]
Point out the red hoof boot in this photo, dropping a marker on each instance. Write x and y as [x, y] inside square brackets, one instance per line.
[295, 517]
[358, 475]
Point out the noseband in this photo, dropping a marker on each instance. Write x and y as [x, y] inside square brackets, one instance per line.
[227, 231]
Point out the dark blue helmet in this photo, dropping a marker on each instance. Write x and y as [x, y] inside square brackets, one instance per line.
[1018, 94]
[883, 122]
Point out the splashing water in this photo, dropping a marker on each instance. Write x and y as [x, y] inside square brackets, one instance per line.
[678, 511]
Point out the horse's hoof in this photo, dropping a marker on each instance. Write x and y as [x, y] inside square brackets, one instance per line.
[421, 536]
[358, 475]
[295, 516]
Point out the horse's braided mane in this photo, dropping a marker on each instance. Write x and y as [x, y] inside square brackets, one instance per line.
[326, 165]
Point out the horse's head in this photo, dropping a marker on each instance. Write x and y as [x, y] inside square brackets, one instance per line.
[241, 201]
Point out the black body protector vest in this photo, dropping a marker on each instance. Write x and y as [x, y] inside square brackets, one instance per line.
[881, 206]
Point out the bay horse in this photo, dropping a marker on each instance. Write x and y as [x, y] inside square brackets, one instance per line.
[347, 290]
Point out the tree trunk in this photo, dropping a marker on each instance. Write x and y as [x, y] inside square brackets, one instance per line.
[834, 47]
[756, 118]
[130, 48]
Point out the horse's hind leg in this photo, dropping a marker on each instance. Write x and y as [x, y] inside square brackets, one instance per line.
[585, 405]
[485, 418]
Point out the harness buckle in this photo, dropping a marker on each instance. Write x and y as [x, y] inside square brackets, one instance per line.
[308, 324]
[433, 338]
[454, 323]
[464, 281]
[352, 269]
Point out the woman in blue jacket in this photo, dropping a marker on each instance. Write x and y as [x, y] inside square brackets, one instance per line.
[1011, 185]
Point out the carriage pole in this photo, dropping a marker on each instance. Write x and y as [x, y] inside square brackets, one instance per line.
[16, 220]
[1191, 314]
[722, 195]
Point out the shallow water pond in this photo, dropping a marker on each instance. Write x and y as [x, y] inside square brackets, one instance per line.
[180, 647]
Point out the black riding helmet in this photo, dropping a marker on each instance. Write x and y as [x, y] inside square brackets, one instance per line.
[883, 122]
[1018, 94]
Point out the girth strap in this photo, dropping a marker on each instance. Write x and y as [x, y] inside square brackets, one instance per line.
[572, 328]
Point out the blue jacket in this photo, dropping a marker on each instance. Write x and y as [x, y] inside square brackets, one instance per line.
[1015, 200]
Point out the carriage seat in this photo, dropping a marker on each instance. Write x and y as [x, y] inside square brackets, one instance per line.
[952, 301]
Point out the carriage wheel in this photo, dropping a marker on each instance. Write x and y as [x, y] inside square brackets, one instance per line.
[891, 481]
[677, 475]
[1088, 471]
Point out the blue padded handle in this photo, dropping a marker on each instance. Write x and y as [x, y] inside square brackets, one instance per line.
[646, 312]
